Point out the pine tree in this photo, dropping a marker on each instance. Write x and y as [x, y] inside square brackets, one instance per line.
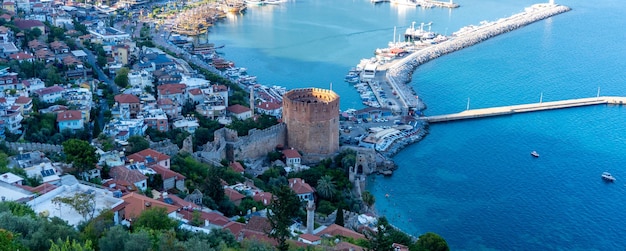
[339, 219]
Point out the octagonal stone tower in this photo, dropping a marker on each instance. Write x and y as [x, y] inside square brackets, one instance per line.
[312, 119]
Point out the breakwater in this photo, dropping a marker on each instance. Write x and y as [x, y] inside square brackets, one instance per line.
[399, 73]
[513, 109]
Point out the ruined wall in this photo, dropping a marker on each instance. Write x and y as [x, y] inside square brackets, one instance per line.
[227, 145]
[259, 142]
[29, 147]
[312, 119]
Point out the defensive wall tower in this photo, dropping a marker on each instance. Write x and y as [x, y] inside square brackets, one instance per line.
[312, 119]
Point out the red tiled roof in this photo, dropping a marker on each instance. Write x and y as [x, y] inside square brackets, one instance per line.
[234, 227]
[291, 154]
[269, 106]
[21, 56]
[335, 229]
[23, 100]
[310, 237]
[299, 186]
[58, 45]
[36, 44]
[220, 88]
[237, 167]
[233, 195]
[258, 224]
[166, 89]
[165, 101]
[195, 91]
[123, 173]
[126, 98]
[167, 173]
[71, 60]
[259, 236]
[138, 203]
[263, 197]
[141, 155]
[69, 115]
[237, 109]
[49, 90]
[27, 24]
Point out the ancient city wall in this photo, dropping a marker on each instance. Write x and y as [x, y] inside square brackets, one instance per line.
[28, 147]
[227, 145]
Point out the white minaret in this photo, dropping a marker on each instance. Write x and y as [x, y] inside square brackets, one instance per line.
[310, 216]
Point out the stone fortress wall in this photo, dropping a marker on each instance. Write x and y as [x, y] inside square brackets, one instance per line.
[312, 119]
[29, 147]
[227, 145]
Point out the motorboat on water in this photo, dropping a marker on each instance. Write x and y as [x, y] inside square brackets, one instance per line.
[608, 177]
[255, 2]
[534, 154]
[275, 1]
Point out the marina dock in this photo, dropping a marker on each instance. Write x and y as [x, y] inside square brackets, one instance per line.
[514, 109]
[398, 72]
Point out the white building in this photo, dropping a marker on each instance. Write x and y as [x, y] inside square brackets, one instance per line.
[43, 204]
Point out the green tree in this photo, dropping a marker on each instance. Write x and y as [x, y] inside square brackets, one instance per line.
[379, 240]
[36, 32]
[97, 227]
[201, 136]
[326, 187]
[17, 209]
[430, 242]
[137, 143]
[8, 241]
[281, 213]
[121, 77]
[114, 239]
[71, 246]
[339, 220]
[368, 199]
[213, 185]
[156, 219]
[81, 154]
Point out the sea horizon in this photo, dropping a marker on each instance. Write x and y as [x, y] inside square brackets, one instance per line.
[474, 182]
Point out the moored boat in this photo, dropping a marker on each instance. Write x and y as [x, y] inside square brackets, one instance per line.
[608, 177]
[255, 2]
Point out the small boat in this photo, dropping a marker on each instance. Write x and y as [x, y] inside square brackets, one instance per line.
[608, 177]
[534, 154]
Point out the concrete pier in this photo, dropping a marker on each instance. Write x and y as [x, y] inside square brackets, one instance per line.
[513, 109]
[399, 71]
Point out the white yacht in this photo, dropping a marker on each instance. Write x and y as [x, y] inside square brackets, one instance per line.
[608, 177]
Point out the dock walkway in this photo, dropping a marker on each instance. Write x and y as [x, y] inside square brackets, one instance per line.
[399, 72]
[513, 109]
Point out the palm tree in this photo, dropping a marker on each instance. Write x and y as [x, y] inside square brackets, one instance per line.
[326, 187]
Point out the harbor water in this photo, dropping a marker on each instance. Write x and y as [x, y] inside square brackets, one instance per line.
[474, 182]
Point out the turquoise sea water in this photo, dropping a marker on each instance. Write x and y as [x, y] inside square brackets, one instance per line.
[474, 182]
